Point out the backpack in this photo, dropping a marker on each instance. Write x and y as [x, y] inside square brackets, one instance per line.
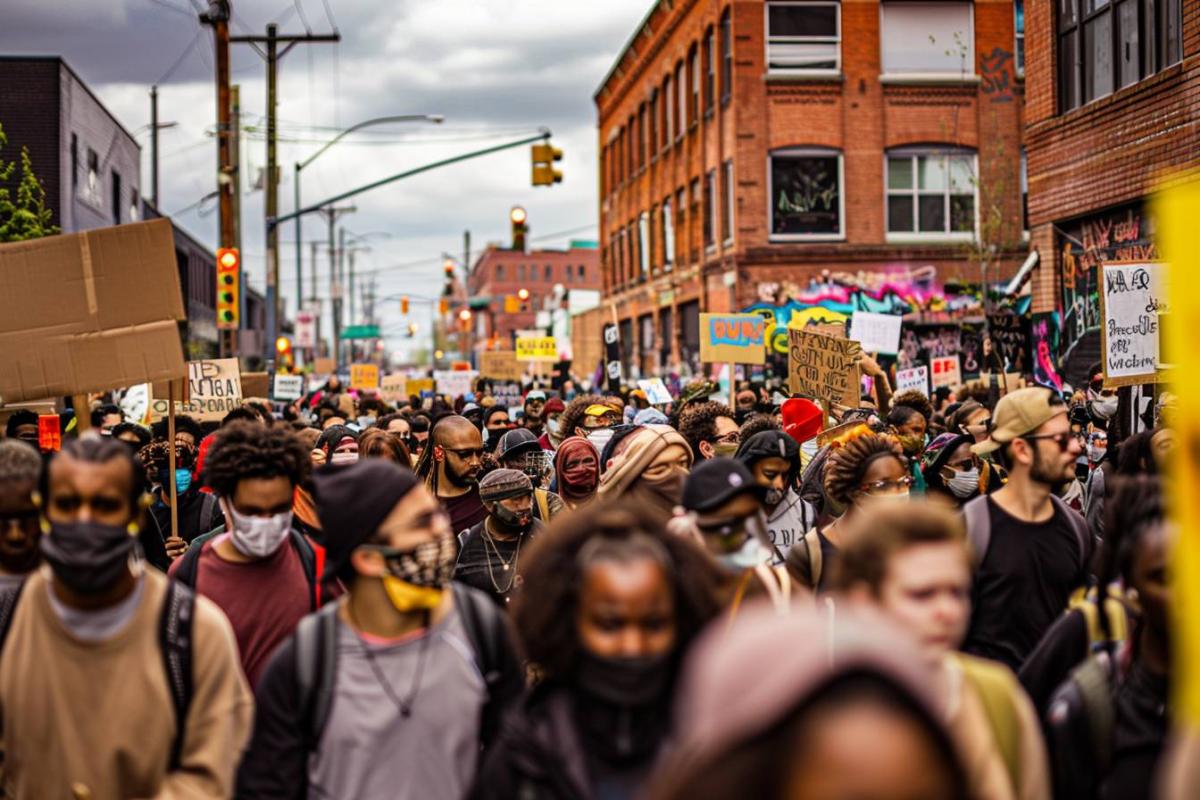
[316, 658]
[208, 514]
[312, 559]
[1080, 727]
[995, 686]
[542, 499]
[979, 529]
[174, 639]
[1086, 601]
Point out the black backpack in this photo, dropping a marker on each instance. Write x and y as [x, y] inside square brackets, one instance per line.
[316, 658]
[311, 559]
[174, 639]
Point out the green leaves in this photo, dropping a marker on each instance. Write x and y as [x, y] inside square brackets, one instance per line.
[27, 217]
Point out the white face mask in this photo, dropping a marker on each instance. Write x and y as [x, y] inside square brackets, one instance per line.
[553, 426]
[748, 556]
[1105, 407]
[1096, 453]
[964, 483]
[344, 457]
[599, 438]
[258, 537]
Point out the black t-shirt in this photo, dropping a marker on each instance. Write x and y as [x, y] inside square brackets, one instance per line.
[1141, 727]
[477, 554]
[1023, 584]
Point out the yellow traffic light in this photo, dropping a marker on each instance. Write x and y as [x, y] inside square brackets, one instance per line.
[511, 304]
[228, 288]
[443, 306]
[404, 305]
[519, 220]
[543, 157]
[465, 315]
[523, 294]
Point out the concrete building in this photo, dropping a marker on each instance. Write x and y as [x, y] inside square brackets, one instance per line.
[753, 153]
[1111, 110]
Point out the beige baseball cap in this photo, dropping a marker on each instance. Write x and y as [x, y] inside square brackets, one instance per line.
[1020, 413]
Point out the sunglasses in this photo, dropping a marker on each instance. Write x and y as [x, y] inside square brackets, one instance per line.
[898, 485]
[1063, 440]
[469, 453]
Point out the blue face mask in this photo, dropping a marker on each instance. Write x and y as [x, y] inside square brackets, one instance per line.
[183, 479]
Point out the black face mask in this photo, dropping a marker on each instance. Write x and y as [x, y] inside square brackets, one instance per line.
[624, 682]
[87, 556]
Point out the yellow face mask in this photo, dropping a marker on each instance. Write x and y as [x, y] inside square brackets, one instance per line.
[408, 597]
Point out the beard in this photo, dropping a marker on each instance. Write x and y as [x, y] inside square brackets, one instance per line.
[1043, 471]
[463, 480]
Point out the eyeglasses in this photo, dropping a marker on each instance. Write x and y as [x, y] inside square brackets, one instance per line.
[880, 487]
[467, 454]
[733, 437]
[1063, 440]
[965, 464]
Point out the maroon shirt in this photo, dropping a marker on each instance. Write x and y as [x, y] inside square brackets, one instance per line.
[263, 599]
[465, 511]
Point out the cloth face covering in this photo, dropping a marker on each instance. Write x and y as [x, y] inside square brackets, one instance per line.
[258, 537]
[87, 556]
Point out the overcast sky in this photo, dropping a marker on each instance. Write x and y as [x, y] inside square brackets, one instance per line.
[497, 70]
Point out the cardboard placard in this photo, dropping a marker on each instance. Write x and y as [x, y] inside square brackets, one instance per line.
[500, 365]
[536, 348]
[324, 366]
[656, 391]
[419, 386]
[1132, 296]
[732, 339]
[306, 330]
[393, 387]
[612, 356]
[877, 333]
[364, 376]
[1008, 382]
[454, 382]
[913, 378]
[944, 371]
[256, 384]
[1010, 338]
[824, 367]
[288, 387]
[89, 312]
[214, 389]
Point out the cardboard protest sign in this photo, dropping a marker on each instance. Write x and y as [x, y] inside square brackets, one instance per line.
[419, 386]
[508, 395]
[1010, 336]
[537, 348]
[877, 333]
[1132, 296]
[89, 311]
[256, 384]
[656, 391]
[324, 366]
[824, 367]
[393, 387]
[913, 378]
[944, 371]
[288, 387]
[364, 376]
[1007, 382]
[214, 389]
[732, 339]
[454, 382]
[500, 365]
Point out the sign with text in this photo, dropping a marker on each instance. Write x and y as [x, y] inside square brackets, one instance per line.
[324, 366]
[500, 365]
[393, 387]
[419, 386]
[306, 330]
[537, 348]
[732, 339]
[656, 391]
[214, 389]
[877, 333]
[1010, 338]
[915, 378]
[364, 376]
[944, 371]
[612, 357]
[255, 384]
[454, 382]
[824, 367]
[288, 387]
[1132, 298]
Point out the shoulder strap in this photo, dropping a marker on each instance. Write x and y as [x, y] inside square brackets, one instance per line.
[308, 560]
[189, 565]
[316, 669]
[1083, 537]
[208, 513]
[1094, 681]
[8, 609]
[995, 692]
[175, 640]
[484, 637]
[543, 504]
[979, 528]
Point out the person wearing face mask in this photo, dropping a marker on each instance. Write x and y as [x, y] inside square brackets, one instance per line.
[535, 403]
[339, 444]
[609, 607]
[647, 469]
[1101, 402]
[552, 413]
[773, 458]
[20, 471]
[710, 429]
[596, 424]
[495, 424]
[519, 449]
[951, 470]
[577, 466]
[88, 703]
[197, 513]
[23, 426]
[393, 690]
[908, 425]
[264, 575]
[489, 557]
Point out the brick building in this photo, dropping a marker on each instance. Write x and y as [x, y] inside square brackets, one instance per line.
[1111, 107]
[749, 147]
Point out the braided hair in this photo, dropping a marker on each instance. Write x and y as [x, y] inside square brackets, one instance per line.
[848, 462]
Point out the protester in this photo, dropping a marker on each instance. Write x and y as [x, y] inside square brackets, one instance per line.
[107, 416]
[377, 443]
[773, 458]
[489, 557]
[450, 466]
[914, 567]
[392, 690]
[114, 682]
[608, 609]
[519, 449]
[587, 412]
[577, 467]
[647, 470]
[972, 418]
[339, 445]
[23, 426]
[908, 425]
[951, 470]
[134, 435]
[1031, 551]
[264, 575]
[420, 425]
[552, 414]
[196, 514]
[801, 419]
[20, 472]
[710, 430]
[757, 423]
[535, 402]
[496, 423]
[395, 423]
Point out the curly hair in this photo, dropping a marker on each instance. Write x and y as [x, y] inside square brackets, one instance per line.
[847, 463]
[183, 424]
[698, 423]
[376, 443]
[243, 450]
[757, 423]
[572, 416]
[911, 398]
[545, 609]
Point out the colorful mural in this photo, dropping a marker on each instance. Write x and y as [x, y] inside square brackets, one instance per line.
[1043, 336]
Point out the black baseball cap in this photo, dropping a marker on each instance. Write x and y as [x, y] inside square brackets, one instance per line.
[715, 482]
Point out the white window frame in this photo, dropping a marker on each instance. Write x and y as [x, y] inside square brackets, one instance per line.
[818, 152]
[1019, 40]
[727, 175]
[965, 73]
[668, 233]
[915, 236]
[784, 40]
[643, 252]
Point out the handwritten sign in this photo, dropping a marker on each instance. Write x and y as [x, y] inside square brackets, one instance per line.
[914, 378]
[288, 387]
[255, 384]
[1010, 336]
[214, 389]
[537, 348]
[656, 391]
[364, 376]
[824, 367]
[877, 333]
[1132, 296]
[454, 382]
[945, 371]
[500, 365]
[732, 339]
[393, 387]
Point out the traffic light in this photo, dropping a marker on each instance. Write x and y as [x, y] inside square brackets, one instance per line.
[443, 306]
[283, 351]
[404, 305]
[448, 288]
[412, 329]
[228, 277]
[544, 155]
[512, 304]
[520, 227]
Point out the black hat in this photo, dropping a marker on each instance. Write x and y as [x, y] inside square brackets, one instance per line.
[717, 481]
[771, 444]
[516, 442]
[352, 501]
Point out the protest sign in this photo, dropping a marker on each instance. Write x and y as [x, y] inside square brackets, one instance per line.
[1006, 382]
[419, 386]
[1010, 337]
[732, 339]
[612, 356]
[454, 382]
[49, 433]
[500, 365]
[945, 371]
[824, 367]
[393, 387]
[1132, 296]
[829, 434]
[256, 384]
[135, 403]
[536, 348]
[89, 311]
[916, 378]
[214, 389]
[656, 391]
[288, 387]
[324, 366]
[306, 330]
[877, 333]
[364, 376]
[507, 395]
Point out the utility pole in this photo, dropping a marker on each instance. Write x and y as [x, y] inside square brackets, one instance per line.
[338, 322]
[235, 177]
[154, 146]
[467, 252]
[315, 305]
[331, 215]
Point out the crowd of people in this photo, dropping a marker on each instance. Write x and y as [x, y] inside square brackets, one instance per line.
[961, 595]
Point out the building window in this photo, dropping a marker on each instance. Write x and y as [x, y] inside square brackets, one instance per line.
[74, 160]
[710, 208]
[1104, 46]
[641, 142]
[803, 37]
[1019, 27]
[668, 127]
[652, 238]
[726, 57]
[630, 153]
[520, 272]
[692, 233]
[931, 193]
[927, 38]
[710, 68]
[135, 212]
[1024, 191]
[582, 272]
[727, 217]
[681, 122]
[548, 273]
[694, 62]
[116, 197]
[668, 234]
[652, 118]
[93, 177]
[499, 272]
[806, 194]
[681, 222]
[643, 251]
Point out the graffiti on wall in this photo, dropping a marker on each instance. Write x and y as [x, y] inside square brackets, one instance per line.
[995, 75]
[1043, 336]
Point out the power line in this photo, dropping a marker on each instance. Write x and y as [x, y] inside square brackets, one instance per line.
[299, 6]
[182, 56]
